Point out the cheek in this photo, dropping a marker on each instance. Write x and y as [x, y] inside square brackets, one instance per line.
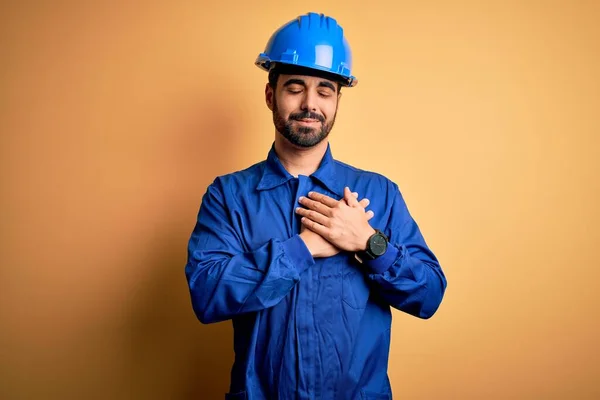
[329, 109]
[283, 113]
[285, 107]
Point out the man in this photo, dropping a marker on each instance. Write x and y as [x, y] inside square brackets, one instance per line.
[286, 250]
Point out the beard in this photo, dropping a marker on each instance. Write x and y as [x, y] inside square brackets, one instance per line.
[303, 136]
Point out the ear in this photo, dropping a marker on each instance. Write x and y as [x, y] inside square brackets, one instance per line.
[269, 96]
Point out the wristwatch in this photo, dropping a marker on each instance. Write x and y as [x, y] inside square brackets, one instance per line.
[376, 247]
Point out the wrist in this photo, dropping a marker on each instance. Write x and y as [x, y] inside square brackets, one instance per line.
[307, 242]
[375, 246]
[365, 239]
[308, 239]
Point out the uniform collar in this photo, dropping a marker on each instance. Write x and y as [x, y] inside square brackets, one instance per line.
[274, 174]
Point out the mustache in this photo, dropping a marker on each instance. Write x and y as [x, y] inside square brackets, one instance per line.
[308, 115]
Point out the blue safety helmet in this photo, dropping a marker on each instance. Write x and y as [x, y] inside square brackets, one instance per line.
[313, 41]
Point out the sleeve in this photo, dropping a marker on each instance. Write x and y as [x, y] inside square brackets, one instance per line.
[225, 281]
[408, 276]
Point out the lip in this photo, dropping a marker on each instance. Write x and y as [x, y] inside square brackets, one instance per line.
[307, 121]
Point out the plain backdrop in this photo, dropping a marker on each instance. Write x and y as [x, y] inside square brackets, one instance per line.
[115, 116]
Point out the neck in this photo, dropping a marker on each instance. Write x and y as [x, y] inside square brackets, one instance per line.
[299, 160]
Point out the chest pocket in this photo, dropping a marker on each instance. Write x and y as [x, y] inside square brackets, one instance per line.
[341, 279]
[355, 288]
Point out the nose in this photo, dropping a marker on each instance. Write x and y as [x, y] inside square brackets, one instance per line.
[309, 102]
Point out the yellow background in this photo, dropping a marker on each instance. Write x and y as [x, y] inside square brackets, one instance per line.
[115, 117]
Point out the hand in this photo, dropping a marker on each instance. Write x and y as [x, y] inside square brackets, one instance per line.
[320, 247]
[317, 246]
[343, 223]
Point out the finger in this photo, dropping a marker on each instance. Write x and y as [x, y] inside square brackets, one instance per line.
[313, 226]
[313, 216]
[355, 194]
[370, 214]
[364, 203]
[321, 198]
[350, 199]
[315, 205]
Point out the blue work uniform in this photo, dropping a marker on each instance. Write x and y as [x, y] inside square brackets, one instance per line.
[306, 328]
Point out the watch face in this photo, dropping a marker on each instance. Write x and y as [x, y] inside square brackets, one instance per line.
[378, 245]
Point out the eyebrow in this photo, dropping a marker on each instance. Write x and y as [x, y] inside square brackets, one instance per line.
[296, 81]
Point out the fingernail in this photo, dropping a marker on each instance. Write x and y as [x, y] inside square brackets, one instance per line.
[301, 198]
